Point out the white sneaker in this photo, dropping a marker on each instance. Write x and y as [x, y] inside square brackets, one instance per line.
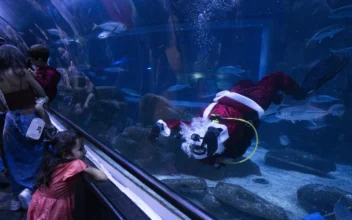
[15, 205]
[25, 198]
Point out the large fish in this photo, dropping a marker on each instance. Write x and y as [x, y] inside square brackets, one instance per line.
[273, 109]
[67, 41]
[316, 126]
[337, 110]
[302, 113]
[131, 92]
[343, 12]
[230, 70]
[322, 99]
[53, 31]
[270, 118]
[105, 34]
[344, 51]
[326, 32]
[111, 26]
[177, 87]
[122, 60]
[114, 70]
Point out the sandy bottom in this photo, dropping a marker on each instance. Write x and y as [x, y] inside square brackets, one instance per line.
[283, 184]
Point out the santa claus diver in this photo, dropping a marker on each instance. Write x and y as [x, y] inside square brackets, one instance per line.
[226, 127]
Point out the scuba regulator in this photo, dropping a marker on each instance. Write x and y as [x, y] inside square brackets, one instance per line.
[209, 144]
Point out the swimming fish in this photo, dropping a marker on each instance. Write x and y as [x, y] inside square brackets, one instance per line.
[104, 34]
[67, 41]
[273, 109]
[197, 75]
[177, 87]
[270, 118]
[206, 95]
[326, 32]
[322, 99]
[111, 26]
[344, 51]
[284, 140]
[302, 113]
[232, 70]
[131, 92]
[114, 69]
[343, 12]
[337, 109]
[121, 61]
[53, 31]
[316, 126]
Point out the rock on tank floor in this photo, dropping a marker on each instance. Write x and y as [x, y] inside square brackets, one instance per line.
[283, 184]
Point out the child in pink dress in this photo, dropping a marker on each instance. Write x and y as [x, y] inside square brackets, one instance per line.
[62, 164]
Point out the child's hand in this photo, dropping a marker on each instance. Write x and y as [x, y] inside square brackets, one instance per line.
[42, 100]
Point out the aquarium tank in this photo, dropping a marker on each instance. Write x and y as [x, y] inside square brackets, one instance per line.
[240, 106]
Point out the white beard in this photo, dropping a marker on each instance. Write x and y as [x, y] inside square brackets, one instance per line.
[198, 126]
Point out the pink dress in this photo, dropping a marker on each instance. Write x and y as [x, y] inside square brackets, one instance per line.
[57, 201]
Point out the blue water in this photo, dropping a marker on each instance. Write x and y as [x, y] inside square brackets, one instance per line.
[141, 61]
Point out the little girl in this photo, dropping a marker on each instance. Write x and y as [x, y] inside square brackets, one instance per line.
[61, 166]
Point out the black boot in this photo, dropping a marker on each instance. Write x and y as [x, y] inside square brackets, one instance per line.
[325, 70]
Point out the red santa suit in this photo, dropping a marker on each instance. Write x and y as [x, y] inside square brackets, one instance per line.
[245, 100]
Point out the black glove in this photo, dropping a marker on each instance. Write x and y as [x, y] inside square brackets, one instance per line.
[155, 132]
[215, 131]
[211, 140]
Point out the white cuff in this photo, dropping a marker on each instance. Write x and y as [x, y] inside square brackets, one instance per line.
[166, 131]
[42, 100]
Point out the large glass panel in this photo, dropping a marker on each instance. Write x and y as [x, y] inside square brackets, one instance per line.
[126, 64]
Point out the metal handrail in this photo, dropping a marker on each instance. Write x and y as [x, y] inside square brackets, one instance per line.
[173, 198]
[103, 199]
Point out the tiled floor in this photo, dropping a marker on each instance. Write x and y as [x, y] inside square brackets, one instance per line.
[5, 198]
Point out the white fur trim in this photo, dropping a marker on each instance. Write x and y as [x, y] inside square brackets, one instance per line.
[237, 97]
[166, 132]
[198, 126]
[208, 110]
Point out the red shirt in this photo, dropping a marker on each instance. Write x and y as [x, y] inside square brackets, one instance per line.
[48, 78]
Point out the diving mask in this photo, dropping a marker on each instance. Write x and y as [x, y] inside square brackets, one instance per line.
[212, 142]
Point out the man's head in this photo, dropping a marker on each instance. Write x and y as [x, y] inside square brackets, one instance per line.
[203, 138]
[38, 54]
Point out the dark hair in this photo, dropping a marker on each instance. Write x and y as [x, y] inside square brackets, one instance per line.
[11, 57]
[39, 51]
[61, 146]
